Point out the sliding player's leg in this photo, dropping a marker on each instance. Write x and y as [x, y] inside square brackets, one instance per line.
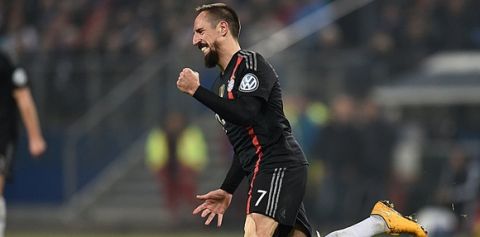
[383, 219]
[396, 222]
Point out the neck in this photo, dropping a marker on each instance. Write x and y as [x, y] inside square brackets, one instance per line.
[226, 53]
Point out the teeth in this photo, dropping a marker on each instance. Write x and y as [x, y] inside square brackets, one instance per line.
[204, 49]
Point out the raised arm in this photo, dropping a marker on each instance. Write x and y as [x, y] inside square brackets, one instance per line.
[240, 111]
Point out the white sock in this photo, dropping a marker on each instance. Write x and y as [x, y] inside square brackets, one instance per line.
[3, 216]
[371, 226]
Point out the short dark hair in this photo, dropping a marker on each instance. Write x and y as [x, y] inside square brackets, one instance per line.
[221, 12]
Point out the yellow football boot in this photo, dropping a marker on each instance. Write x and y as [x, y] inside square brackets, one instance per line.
[396, 223]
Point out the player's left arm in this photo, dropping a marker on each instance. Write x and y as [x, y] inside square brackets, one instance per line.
[234, 176]
[28, 112]
[240, 111]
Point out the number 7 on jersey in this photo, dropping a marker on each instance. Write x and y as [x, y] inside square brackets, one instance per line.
[262, 194]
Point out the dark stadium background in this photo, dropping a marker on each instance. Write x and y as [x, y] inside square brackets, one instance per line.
[401, 76]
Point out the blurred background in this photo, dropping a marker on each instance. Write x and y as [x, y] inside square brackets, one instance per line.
[384, 97]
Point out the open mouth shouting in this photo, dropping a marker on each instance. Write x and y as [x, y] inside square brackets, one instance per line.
[203, 47]
[211, 56]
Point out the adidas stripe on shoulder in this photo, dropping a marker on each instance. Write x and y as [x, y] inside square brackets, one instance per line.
[250, 59]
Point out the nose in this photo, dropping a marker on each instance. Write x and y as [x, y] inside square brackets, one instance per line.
[196, 39]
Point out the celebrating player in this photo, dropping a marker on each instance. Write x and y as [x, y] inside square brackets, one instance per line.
[247, 100]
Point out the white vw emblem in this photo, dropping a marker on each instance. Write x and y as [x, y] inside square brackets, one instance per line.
[249, 83]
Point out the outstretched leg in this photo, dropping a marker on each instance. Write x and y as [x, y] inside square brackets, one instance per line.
[383, 219]
[371, 226]
[396, 222]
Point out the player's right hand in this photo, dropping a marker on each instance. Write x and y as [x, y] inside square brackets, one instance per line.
[214, 203]
[188, 81]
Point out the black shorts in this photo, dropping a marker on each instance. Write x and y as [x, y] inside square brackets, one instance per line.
[6, 157]
[278, 193]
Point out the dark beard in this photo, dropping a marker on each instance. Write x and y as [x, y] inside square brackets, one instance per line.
[211, 59]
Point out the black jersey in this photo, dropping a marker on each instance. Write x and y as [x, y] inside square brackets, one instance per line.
[268, 141]
[11, 78]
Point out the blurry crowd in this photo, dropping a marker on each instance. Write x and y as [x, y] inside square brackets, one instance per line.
[424, 25]
[350, 146]
[358, 156]
[141, 27]
[112, 27]
[383, 39]
[72, 40]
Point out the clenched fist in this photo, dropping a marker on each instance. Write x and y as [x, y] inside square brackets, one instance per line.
[188, 81]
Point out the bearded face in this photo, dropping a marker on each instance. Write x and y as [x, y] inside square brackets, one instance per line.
[205, 36]
[211, 56]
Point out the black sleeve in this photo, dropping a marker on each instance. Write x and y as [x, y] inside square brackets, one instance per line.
[234, 177]
[240, 111]
[16, 76]
[257, 81]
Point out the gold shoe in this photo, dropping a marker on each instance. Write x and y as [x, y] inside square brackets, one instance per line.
[396, 223]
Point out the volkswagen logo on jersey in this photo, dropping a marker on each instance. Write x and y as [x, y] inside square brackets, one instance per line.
[249, 83]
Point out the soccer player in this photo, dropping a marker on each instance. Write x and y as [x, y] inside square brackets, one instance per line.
[247, 101]
[15, 97]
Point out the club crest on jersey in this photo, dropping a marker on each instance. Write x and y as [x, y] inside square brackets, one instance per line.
[249, 83]
[231, 82]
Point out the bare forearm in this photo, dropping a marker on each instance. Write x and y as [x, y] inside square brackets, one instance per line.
[28, 113]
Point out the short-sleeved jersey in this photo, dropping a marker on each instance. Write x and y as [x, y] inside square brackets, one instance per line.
[268, 142]
[11, 78]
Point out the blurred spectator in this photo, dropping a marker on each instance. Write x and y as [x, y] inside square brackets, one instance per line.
[307, 118]
[458, 186]
[340, 148]
[177, 155]
[453, 207]
[454, 20]
[330, 37]
[146, 43]
[390, 19]
[95, 24]
[407, 159]
[378, 140]
[416, 40]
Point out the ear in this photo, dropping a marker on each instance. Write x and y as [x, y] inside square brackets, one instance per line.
[223, 28]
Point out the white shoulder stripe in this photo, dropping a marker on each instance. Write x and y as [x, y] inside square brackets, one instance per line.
[250, 59]
[255, 57]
